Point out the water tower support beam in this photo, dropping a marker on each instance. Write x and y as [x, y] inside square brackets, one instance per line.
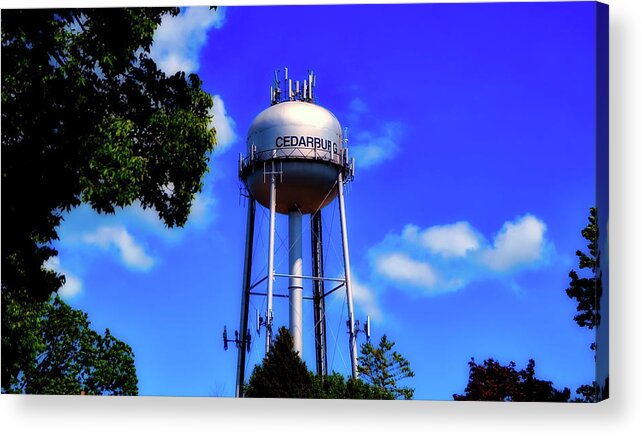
[245, 295]
[346, 263]
[295, 287]
[318, 296]
[270, 284]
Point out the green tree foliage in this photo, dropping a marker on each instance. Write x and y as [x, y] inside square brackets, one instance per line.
[87, 116]
[282, 374]
[384, 368]
[492, 381]
[587, 290]
[335, 386]
[72, 358]
[587, 393]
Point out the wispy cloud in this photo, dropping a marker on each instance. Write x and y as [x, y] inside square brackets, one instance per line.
[445, 258]
[145, 224]
[365, 299]
[371, 145]
[178, 40]
[203, 210]
[356, 109]
[223, 123]
[451, 240]
[73, 284]
[371, 148]
[402, 268]
[118, 239]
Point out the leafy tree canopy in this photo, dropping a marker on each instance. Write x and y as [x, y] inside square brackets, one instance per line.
[384, 368]
[335, 386]
[282, 374]
[587, 290]
[72, 358]
[587, 393]
[493, 381]
[87, 116]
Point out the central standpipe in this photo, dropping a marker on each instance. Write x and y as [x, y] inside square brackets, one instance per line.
[296, 281]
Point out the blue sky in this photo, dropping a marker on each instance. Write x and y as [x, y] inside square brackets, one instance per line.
[473, 127]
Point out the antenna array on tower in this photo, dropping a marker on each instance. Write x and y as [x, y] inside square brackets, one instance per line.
[289, 91]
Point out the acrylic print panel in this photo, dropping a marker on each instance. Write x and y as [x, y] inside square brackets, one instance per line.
[439, 181]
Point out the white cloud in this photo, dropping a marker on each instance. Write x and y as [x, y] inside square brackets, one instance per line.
[445, 258]
[358, 106]
[178, 40]
[401, 268]
[517, 243]
[202, 212]
[130, 252]
[223, 123]
[365, 300]
[372, 149]
[73, 284]
[140, 219]
[147, 221]
[451, 240]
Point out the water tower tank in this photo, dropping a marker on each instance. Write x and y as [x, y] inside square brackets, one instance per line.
[303, 143]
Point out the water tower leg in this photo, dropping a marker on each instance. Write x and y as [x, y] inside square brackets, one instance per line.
[296, 283]
[346, 262]
[318, 295]
[270, 286]
[245, 298]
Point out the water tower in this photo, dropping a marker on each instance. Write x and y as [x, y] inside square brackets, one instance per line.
[296, 164]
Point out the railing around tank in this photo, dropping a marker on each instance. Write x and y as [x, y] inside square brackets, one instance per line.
[249, 163]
